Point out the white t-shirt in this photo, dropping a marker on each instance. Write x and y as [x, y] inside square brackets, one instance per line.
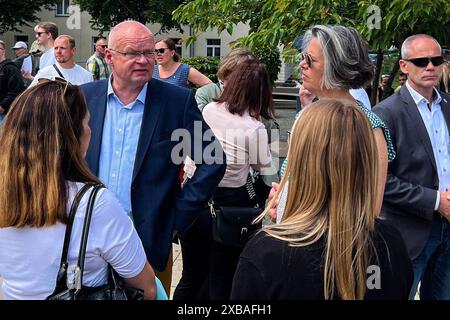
[27, 64]
[361, 95]
[47, 58]
[30, 257]
[76, 75]
[244, 141]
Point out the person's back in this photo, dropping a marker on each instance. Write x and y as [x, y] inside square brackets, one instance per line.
[328, 244]
[45, 150]
[271, 269]
[110, 229]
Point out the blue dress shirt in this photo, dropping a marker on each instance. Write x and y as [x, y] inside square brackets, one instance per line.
[120, 139]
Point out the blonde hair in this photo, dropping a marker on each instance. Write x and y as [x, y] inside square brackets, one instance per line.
[333, 181]
[40, 143]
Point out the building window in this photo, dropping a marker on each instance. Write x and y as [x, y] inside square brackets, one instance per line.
[22, 38]
[62, 8]
[178, 47]
[94, 41]
[213, 47]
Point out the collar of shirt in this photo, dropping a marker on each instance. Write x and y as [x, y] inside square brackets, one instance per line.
[418, 98]
[141, 96]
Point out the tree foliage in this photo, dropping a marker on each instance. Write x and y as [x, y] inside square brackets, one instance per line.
[277, 22]
[107, 13]
[14, 14]
[206, 65]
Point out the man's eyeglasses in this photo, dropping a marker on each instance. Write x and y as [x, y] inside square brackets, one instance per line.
[103, 45]
[136, 54]
[39, 33]
[305, 56]
[161, 50]
[423, 62]
[57, 80]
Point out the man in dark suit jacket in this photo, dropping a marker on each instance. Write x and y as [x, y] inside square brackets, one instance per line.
[417, 197]
[133, 119]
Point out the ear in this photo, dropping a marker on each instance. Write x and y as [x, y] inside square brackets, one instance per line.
[108, 56]
[403, 66]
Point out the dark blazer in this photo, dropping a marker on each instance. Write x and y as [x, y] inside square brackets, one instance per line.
[159, 205]
[412, 182]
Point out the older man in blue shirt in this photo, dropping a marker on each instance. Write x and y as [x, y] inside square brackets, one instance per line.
[132, 120]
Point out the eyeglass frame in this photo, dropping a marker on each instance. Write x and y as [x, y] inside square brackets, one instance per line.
[134, 54]
[104, 46]
[428, 59]
[41, 32]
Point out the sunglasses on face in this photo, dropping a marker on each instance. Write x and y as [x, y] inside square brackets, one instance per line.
[161, 50]
[308, 59]
[103, 46]
[423, 62]
[39, 33]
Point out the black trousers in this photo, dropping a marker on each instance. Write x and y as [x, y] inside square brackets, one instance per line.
[208, 266]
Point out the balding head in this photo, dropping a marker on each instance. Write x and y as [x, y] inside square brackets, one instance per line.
[131, 55]
[410, 41]
[128, 29]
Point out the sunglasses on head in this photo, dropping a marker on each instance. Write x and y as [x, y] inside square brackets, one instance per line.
[161, 50]
[57, 80]
[305, 56]
[423, 62]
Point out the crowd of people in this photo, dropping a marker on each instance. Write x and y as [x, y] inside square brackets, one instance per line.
[362, 209]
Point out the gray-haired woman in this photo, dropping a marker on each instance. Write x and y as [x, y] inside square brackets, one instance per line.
[334, 60]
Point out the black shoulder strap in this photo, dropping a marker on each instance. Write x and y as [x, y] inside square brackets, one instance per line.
[84, 236]
[57, 70]
[62, 273]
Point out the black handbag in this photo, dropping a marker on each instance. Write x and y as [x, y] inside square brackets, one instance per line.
[114, 289]
[232, 226]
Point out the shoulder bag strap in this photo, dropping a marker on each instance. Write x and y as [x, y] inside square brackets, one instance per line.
[251, 191]
[57, 70]
[62, 273]
[84, 237]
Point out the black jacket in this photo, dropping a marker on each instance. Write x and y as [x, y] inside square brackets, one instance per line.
[11, 83]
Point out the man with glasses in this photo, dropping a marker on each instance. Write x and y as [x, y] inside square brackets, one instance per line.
[97, 64]
[133, 119]
[46, 33]
[417, 194]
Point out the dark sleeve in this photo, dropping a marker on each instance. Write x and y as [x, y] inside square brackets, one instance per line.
[15, 86]
[412, 198]
[397, 260]
[210, 161]
[248, 283]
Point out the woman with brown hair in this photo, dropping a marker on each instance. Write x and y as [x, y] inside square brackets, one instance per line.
[329, 243]
[170, 69]
[43, 140]
[235, 120]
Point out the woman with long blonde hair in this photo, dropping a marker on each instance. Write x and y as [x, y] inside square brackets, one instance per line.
[329, 243]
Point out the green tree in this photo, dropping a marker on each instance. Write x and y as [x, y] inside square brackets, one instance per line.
[14, 14]
[281, 21]
[107, 13]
